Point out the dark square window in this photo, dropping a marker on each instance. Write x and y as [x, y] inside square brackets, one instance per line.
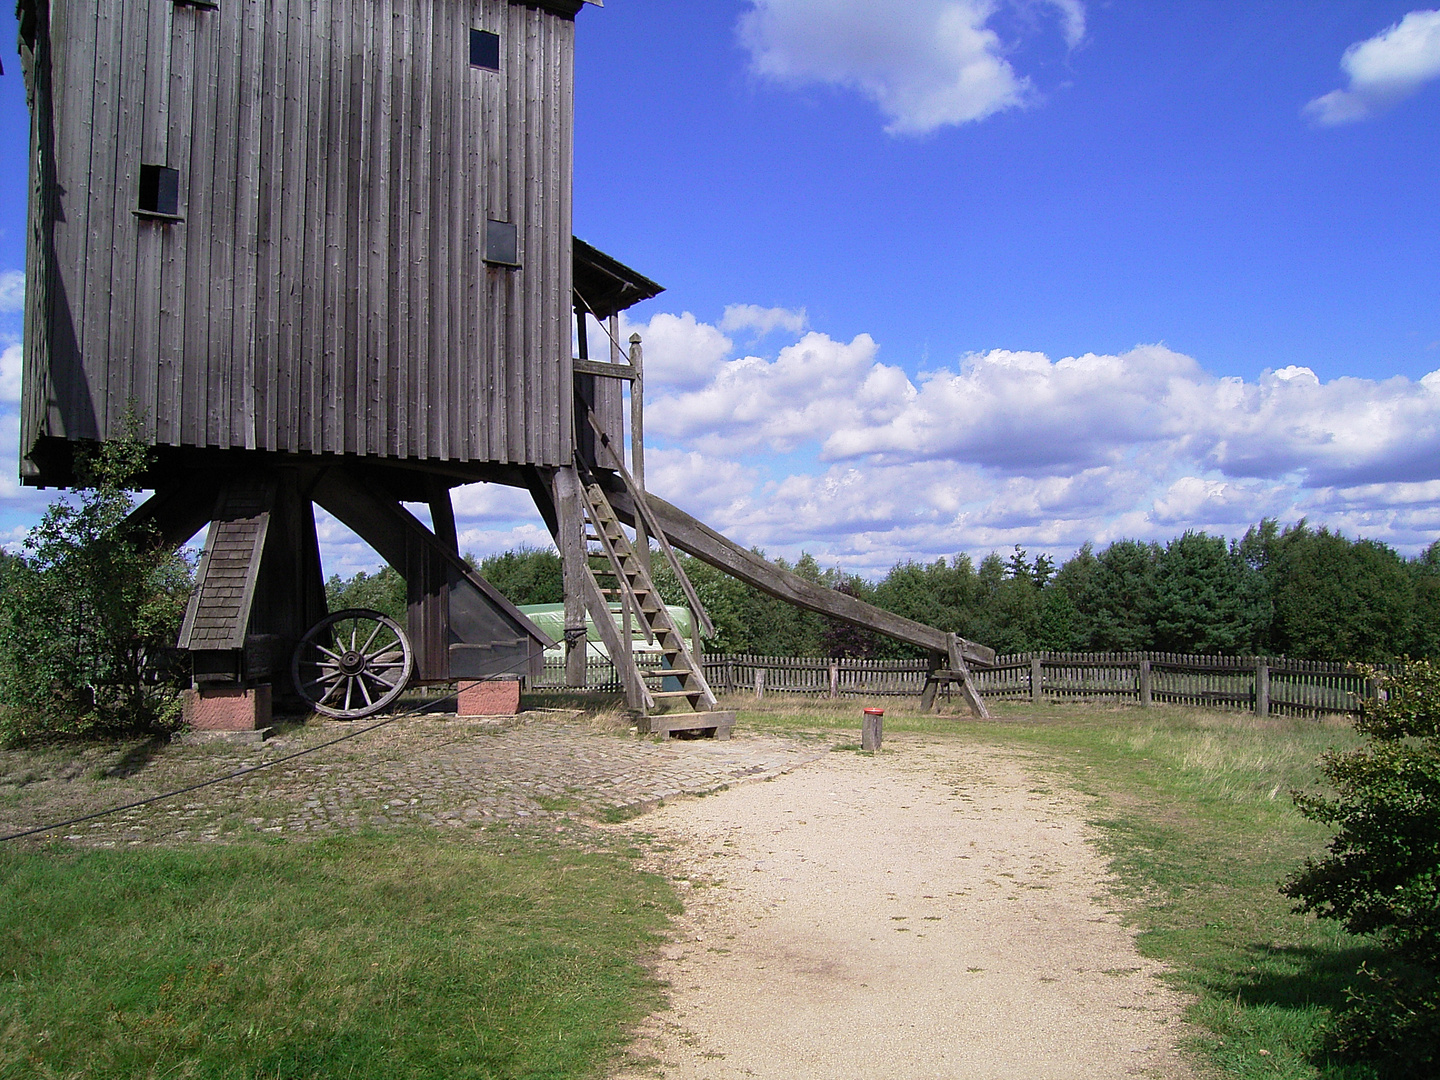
[502, 244]
[485, 50]
[160, 190]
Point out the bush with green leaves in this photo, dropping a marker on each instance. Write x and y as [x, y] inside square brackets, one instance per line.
[86, 607]
[1382, 875]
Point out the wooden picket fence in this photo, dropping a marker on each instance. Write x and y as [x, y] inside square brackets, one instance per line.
[1271, 686]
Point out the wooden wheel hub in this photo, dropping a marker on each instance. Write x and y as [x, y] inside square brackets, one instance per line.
[352, 664]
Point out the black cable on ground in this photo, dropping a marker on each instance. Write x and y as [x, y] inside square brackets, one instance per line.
[464, 684]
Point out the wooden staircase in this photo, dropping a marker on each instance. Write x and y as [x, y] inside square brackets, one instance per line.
[619, 574]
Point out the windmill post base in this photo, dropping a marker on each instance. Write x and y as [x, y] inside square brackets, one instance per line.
[227, 708]
[493, 697]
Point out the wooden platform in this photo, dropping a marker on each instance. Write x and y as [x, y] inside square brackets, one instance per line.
[715, 725]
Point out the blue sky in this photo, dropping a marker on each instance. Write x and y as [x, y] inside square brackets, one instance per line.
[952, 275]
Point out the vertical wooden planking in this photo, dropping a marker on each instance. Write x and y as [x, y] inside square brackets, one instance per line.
[107, 199]
[311, 330]
[296, 224]
[349, 414]
[442, 195]
[248, 151]
[220, 373]
[418, 336]
[471, 354]
[200, 172]
[150, 285]
[402, 75]
[376, 254]
[337, 99]
[174, 297]
[524, 367]
[269, 190]
[561, 448]
[420, 339]
[75, 34]
[491, 345]
[127, 372]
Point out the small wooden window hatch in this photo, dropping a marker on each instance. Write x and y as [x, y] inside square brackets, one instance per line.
[485, 50]
[502, 243]
[203, 5]
[159, 193]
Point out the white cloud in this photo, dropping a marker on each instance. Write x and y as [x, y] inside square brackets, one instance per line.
[10, 364]
[1383, 70]
[826, 447]
[925, 63]
[491, 502]
[12, 291]
[762, 320]
[679, 350]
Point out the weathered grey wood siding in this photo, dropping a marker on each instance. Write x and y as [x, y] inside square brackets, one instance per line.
[326, 291]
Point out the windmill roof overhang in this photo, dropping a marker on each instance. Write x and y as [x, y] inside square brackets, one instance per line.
[565, 8]
[605, 286]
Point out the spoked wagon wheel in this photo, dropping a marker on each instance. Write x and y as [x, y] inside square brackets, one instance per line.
[352, 663]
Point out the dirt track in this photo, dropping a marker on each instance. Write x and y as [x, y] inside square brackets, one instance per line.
[935, 911]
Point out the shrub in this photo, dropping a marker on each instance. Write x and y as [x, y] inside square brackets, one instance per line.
[1382, 875]
[85, 610]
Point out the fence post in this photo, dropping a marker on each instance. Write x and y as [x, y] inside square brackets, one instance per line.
[1262, 688]
[834, 679]
[1146, 695]
[1037, 679]
[759, 683]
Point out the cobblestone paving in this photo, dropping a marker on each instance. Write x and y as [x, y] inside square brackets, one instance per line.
[417, 771]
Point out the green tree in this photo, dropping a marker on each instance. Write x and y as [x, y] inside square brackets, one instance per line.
[527, 575]
[1425, 624]
[1206, 597]
[1059, 628]
[86, 609]
[383, 591]
[1337, 598]
[1113, 595]
[1382, 875]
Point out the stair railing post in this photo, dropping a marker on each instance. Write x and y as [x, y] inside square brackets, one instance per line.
[637, 428]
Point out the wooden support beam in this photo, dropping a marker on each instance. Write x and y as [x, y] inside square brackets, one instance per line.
[971, 692]
[477, 615]
[563, 513]
[604, 370]
[709, 546]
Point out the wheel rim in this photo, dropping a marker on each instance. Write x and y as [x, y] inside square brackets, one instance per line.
[352, 663]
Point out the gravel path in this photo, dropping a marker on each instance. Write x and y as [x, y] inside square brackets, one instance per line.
[933, 911]
[929, 912]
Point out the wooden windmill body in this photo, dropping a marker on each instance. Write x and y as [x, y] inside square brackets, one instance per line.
[320, 252]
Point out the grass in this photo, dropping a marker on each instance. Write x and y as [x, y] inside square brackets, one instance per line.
[514, 954]
[1194, 811]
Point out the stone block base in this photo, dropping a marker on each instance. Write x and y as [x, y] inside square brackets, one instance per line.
[500, 697]
[227, 708]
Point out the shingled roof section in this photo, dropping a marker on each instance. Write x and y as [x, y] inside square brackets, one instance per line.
[219, 610]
